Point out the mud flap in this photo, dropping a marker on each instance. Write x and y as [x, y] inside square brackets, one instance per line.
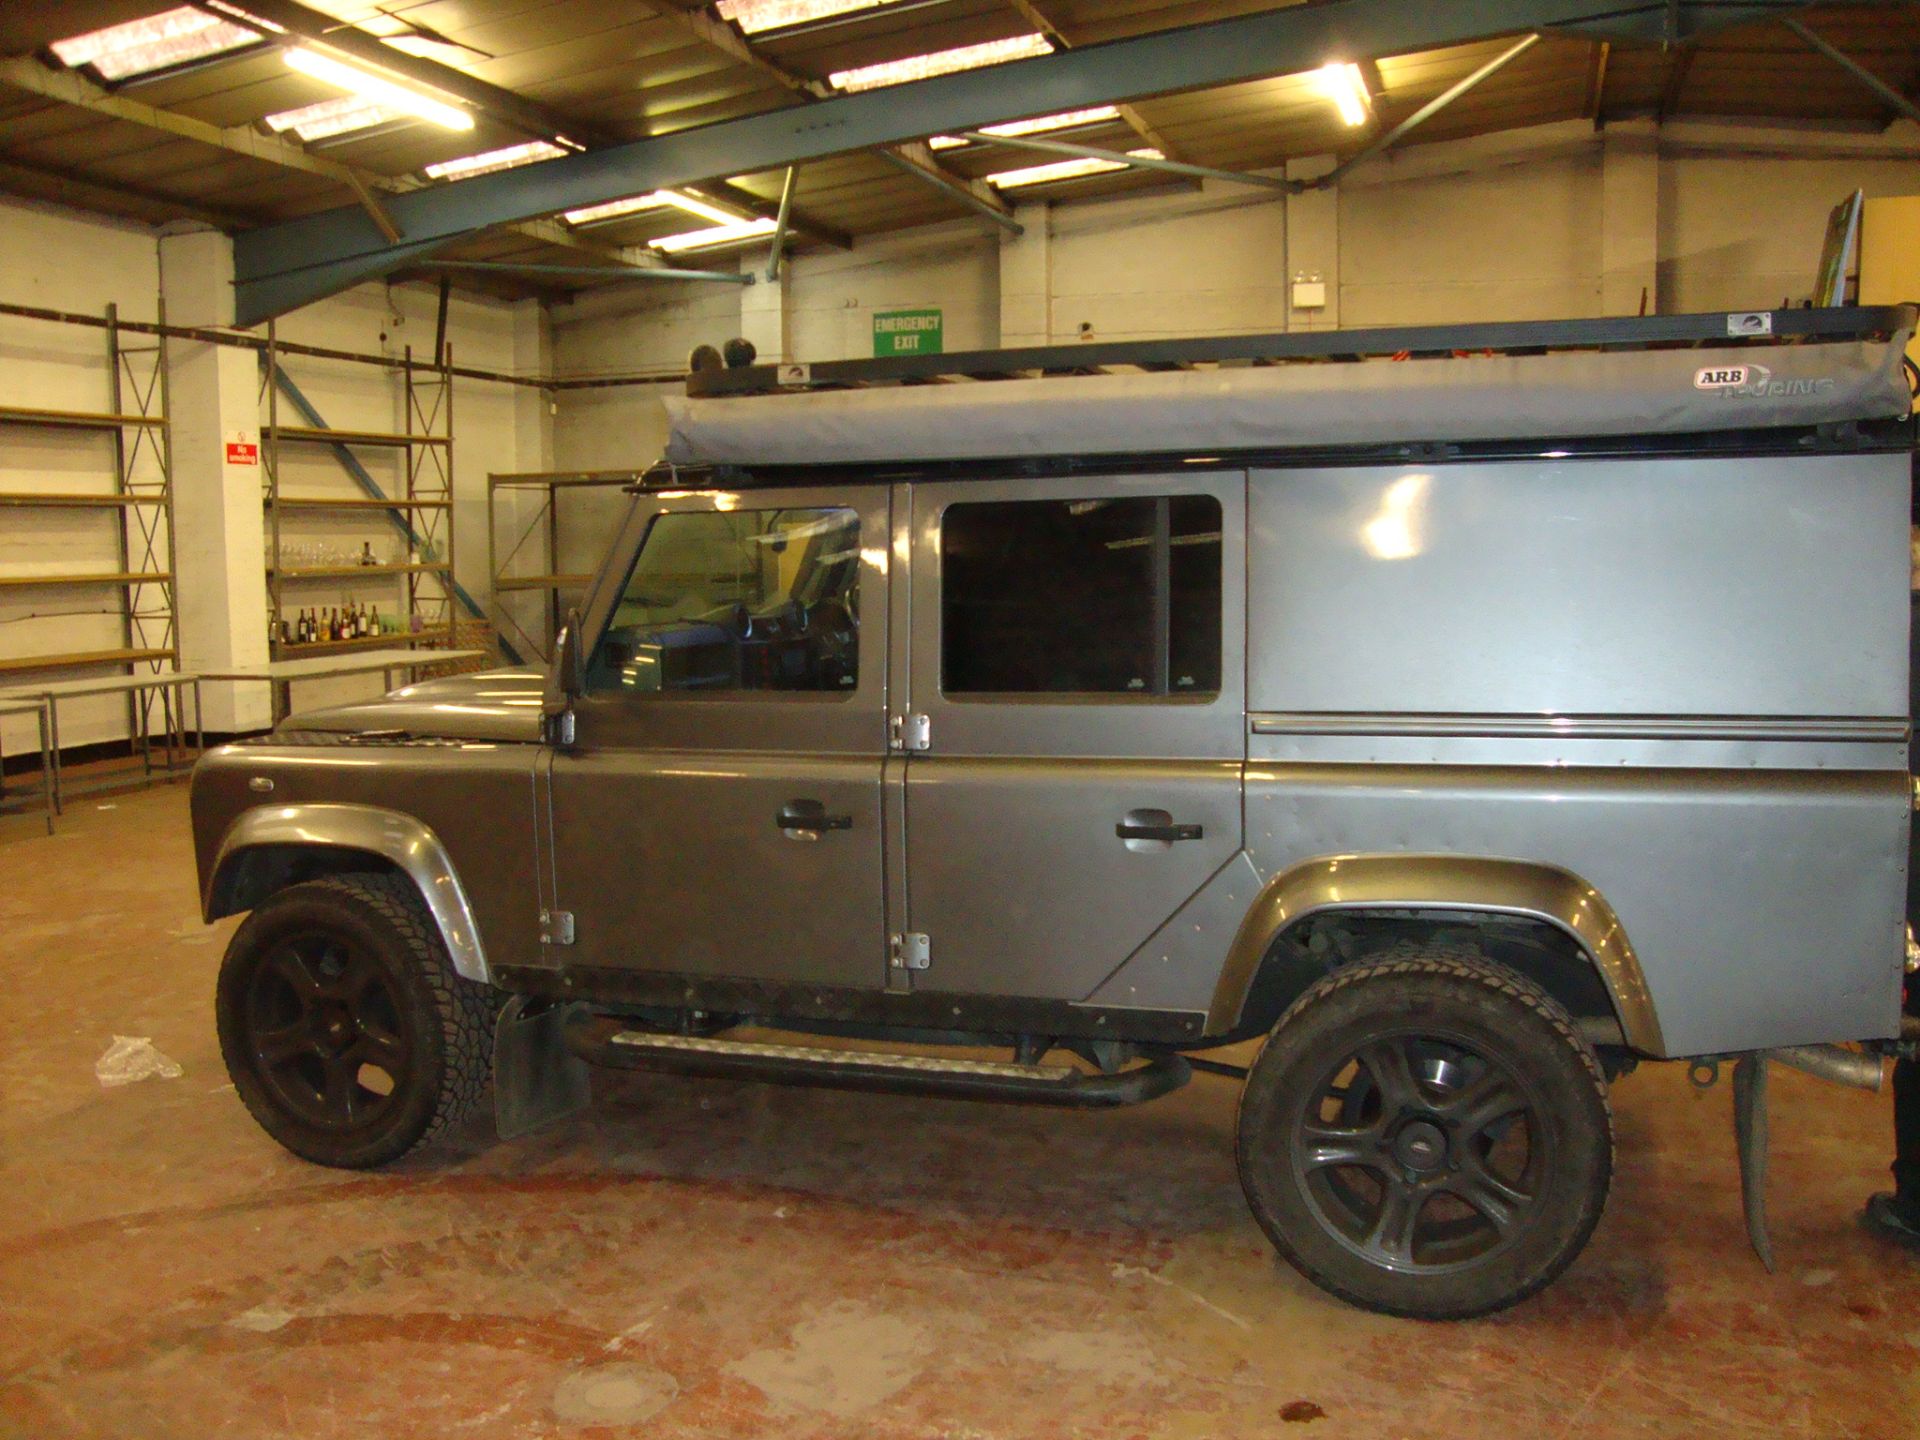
[536, 1079]
[1750, 1131]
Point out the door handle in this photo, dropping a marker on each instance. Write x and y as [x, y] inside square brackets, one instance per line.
[806, 819]
[1132, 830]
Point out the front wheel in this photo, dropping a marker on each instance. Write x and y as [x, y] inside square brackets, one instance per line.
[343, 1025]
[1426, 1134]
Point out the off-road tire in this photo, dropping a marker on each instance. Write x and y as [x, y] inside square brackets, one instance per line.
[445, 1020]
[1407, 994]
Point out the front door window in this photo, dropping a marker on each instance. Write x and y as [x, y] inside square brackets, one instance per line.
[733, 600]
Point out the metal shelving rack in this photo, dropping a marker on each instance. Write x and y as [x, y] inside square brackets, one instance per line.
[546, 522]
[424, 513]
[142, 493]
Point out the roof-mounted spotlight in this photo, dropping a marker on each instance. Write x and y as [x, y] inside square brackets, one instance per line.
[1347, 88]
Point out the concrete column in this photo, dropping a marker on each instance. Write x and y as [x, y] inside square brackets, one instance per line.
[1629, 218]
[1026, 279]
[763, 308]
[1313, 246]
[532, 409]
[221, 583]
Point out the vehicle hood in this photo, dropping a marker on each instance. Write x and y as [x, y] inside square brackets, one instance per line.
[490, 705]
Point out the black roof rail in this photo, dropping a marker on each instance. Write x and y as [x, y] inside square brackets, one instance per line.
[1757, 327]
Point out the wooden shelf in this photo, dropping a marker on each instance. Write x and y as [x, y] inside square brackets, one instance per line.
[126, 577]
[76, 419]
[72, 499]
[309, 502]
[286, 650]
[324, 436]
[347, 572]
[541, 582]
[17, 665]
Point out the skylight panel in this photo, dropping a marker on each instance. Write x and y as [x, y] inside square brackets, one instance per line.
[940, 62]
[487, 162]
[731, 233]
[1039, 125]
[340, 116]
[652, 200]
[1077, 168]
[136, 47]
[755, 16]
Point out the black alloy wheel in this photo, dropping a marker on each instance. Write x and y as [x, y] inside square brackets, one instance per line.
[323, 1031]
[1426, 1134]
[344, 1027]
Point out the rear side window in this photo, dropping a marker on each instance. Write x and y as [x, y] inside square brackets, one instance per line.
[1081, 597]
[732, 600]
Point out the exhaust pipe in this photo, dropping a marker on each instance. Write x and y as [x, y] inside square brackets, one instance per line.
[1833, 1062]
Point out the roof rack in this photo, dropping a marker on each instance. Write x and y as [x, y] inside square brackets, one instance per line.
[1717, 328]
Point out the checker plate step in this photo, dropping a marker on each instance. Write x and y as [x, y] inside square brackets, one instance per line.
[610, 1041]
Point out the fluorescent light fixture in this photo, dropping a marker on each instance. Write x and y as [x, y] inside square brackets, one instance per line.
[754, 16]
[940, 62]
[731, 233]
[172, 37]
[1347, 88]
[1039, 125]
[488, 161]
[1076, 169]
[340, 116]
[652, 200]
[377, 89]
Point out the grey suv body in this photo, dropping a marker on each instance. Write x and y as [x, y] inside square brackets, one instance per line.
[1469, 729]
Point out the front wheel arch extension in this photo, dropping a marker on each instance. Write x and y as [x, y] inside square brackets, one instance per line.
[271, 847]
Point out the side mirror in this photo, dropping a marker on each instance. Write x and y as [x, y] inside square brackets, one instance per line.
[565, 682]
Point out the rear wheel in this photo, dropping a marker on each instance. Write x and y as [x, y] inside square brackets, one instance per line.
[346, 1031]
[1426, 1134]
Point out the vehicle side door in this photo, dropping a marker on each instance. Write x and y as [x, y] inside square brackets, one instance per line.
[1077, 674]
[718, 813]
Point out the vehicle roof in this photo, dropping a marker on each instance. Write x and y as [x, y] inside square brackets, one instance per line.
[1658, 376]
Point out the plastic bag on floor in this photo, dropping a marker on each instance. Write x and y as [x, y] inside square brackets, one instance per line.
[131, 1058]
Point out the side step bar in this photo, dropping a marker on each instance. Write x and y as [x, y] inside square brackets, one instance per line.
[604, 1040]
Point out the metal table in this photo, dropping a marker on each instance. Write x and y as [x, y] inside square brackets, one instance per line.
[52, 692]
[280, 674]
[19, 706]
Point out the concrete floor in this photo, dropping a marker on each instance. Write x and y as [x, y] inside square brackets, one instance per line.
[703, 1258]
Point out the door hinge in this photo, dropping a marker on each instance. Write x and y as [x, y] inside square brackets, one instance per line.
[911, 732]
[911, 951]
[556, 927]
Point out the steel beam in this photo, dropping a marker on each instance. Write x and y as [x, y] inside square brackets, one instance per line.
[1854, 68]
[294, 262]
[1132, 162]
[995, 210]
[1130, 116]
[1427, 111]
[919, 160]
[916, 160]
[592, 272]
[777, 246]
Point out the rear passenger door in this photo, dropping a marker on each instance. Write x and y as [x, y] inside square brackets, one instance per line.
[1076, 668]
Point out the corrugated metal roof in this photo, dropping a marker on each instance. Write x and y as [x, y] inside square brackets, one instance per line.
[625, 69]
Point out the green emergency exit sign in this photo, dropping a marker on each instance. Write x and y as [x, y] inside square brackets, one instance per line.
[905, 332]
